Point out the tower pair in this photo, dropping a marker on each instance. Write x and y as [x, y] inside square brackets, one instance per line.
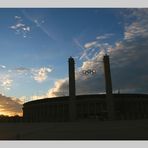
[108, 86]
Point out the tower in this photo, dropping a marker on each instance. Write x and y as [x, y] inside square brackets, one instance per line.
[108, 81]
[71, 78]
[72, 90]
[108, 87]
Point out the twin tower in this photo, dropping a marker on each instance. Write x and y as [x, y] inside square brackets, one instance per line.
[108, 87]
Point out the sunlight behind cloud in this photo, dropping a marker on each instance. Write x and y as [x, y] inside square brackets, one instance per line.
[10, 106]
[26, 71]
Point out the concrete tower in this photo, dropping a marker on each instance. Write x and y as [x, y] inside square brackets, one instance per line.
[108, 87]
[72, 89]
[108, 81]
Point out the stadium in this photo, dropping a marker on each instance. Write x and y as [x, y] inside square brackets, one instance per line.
[92, 107]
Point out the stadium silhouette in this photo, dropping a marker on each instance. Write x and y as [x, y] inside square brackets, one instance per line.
[92, 107]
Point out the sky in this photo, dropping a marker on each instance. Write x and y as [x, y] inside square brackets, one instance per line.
[35, 45]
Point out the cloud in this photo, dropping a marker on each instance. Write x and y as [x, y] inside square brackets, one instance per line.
[9, 77]
[20, 28]
[17, 17]
[6, 82]
[10, 106]
[22, 70]
[3, 66]
[37, 74]
[105, 36]
[84, 54]
[135, 30]
[77, 42]
[60, 88]
[17, 26]
[44, 29]
[39, 23]
[41, 74]
[138, 28]
[90, 44]
[128, 58]
[96, 43]
[91, 50]
[35, 97]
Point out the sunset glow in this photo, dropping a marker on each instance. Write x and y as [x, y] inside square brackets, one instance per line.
[36, 44]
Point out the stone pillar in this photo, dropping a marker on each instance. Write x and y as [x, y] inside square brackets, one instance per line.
[72, 90]
[108, 86]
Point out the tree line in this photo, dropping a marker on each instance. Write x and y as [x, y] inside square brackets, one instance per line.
[5, 118]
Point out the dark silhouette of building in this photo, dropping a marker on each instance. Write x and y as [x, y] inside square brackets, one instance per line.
[107, 106]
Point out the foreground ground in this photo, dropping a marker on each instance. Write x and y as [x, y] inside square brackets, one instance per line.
[104, 130]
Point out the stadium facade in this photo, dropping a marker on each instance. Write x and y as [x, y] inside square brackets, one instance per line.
[74, 107]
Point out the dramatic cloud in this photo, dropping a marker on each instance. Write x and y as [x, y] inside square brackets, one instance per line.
[20, 28]
[60, 88]
[91, 50]
[128, 59]
[139, 27]
[10, 106]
